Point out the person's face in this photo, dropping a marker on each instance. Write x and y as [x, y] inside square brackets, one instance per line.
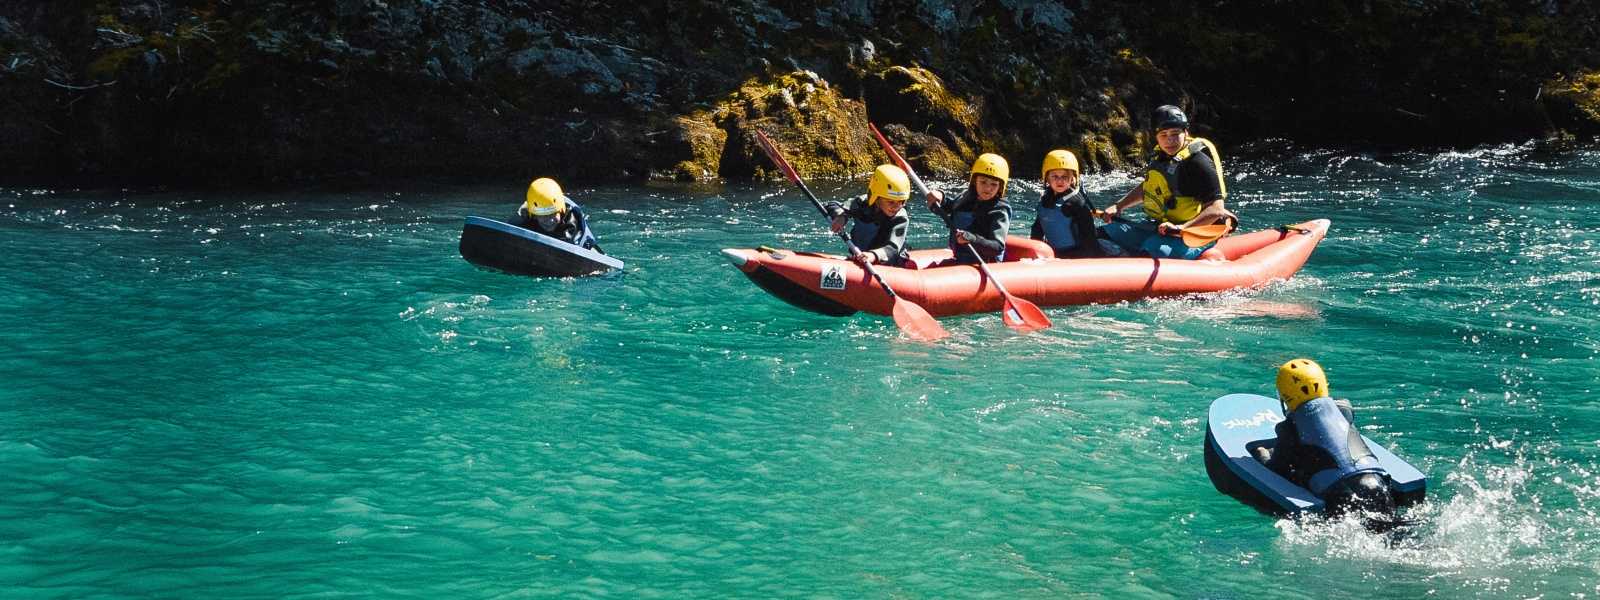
[1171, 140]
[987, 187]
[1061, 180]
[548, 222]
[890, 207]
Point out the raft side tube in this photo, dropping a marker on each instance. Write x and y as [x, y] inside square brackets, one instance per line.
[1270, 256]
[753, 263]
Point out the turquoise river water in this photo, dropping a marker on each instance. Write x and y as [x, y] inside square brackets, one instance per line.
[290, 395]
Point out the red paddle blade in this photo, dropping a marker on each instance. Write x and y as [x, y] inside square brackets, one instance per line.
[916, 323]
[1023, 315]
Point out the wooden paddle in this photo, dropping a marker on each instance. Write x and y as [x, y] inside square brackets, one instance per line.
[1017, 313]
[910, 317]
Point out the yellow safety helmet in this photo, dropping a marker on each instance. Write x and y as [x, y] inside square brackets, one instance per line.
[1058, 159]
[1300, 380]
[888, 181]
[994, 166]
[544, 198]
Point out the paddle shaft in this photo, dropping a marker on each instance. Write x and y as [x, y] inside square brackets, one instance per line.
[783, 165]
[1193, 236]
[922, 189]
[916, 181]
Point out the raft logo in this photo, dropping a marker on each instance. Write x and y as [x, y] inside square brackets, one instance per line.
[832, 277]
[1257, 420]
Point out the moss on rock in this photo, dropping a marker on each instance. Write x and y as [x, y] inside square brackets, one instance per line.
[1574, 102]
[699, 137]
[918, 99]
[820, 132]
[1099, 153]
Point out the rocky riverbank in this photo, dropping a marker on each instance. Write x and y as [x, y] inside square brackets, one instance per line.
[215, 91]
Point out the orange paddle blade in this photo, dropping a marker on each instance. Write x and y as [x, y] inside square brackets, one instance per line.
[1200, 235]
[916, 322]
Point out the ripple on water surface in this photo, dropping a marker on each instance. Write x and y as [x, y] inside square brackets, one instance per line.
[312, 394]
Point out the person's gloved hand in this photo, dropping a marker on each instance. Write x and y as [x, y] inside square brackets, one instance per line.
[838, 223]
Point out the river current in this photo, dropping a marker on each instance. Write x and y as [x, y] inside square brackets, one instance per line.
[310, 394]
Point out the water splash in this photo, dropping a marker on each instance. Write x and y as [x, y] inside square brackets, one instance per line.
[1485, 526]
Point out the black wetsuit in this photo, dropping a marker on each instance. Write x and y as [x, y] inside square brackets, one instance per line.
[1068, 217]
[572, 228]
[882, 235]
[987, 220]
[1320, 449]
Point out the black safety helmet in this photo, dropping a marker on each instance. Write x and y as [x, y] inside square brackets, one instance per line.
[1169, 116]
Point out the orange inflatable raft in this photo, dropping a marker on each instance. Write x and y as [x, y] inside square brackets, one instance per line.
[832, 285]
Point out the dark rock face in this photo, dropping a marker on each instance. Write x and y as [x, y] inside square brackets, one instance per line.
[213, 91]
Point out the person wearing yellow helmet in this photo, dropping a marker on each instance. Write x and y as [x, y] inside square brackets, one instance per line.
[1319, 447]
[550, 212]
[1065, 217]
[980, 216]
[1182, 187]
[880, 218]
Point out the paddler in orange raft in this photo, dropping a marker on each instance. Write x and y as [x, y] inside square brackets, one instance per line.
[1065, 215]
[880, 218]
[980, 216]
[1182, 188]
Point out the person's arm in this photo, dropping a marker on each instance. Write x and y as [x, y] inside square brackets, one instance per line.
[838, 216]
[1083, 229]
[936, 204]
[1209, 214]
[1283, 451]
[1200, 176]
[1132, 198]
[1037, 233]
[899, 224]
[580, 227]
[992, 242]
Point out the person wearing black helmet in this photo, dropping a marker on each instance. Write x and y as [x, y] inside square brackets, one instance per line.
[1182, 188]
